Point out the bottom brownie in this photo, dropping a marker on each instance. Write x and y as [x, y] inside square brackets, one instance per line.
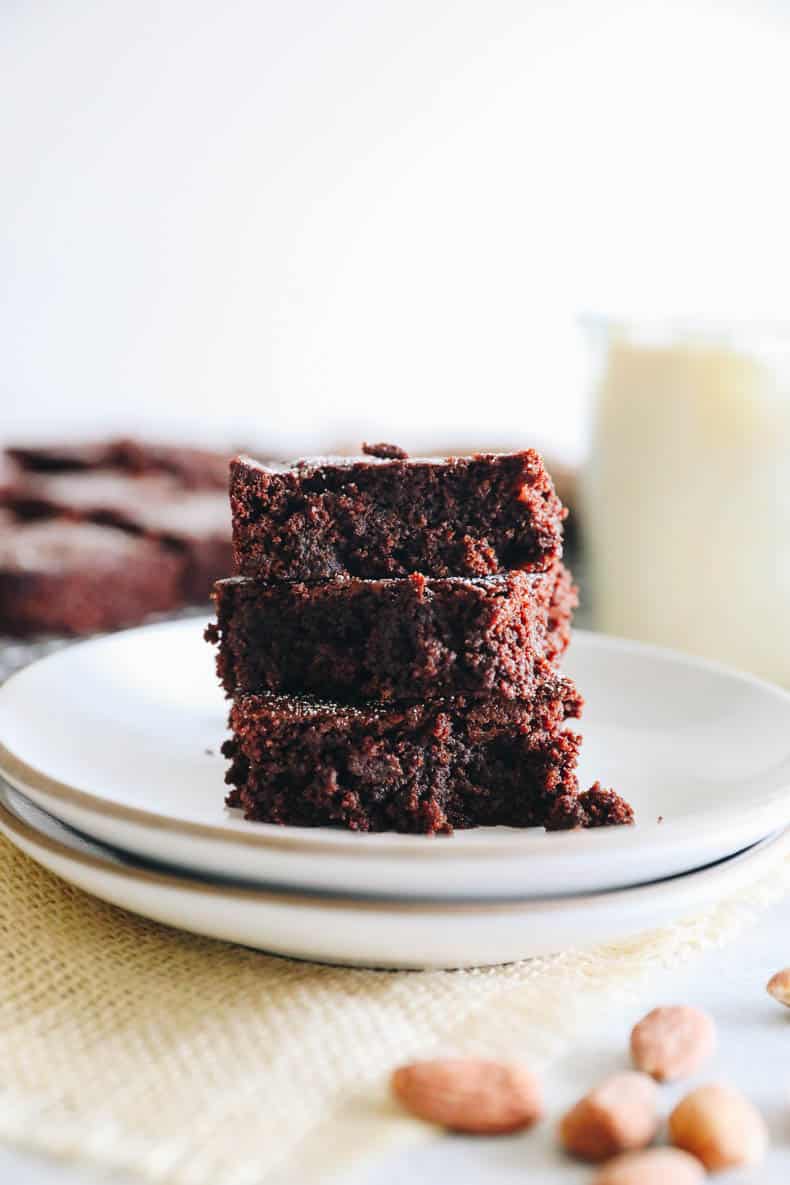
[424, 767]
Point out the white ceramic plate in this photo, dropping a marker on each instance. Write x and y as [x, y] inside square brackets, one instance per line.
[120, 736]
[365, 933]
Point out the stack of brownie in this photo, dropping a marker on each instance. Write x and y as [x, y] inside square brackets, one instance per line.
[101, 534]
[391, 646]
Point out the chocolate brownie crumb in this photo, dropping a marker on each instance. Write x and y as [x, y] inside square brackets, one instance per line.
[387, 452]
[596, 807]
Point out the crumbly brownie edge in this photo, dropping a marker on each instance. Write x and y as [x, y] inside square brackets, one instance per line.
[596, 807]
[563, 604]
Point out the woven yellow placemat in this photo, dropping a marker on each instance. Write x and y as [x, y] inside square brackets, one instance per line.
[193, 1062]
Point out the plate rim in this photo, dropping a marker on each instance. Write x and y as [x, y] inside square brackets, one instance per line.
[25, 778]
[777, 843]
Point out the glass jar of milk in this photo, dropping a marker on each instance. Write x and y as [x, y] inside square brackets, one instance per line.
[686, 496]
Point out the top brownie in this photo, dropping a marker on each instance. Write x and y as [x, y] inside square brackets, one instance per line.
[380, 516]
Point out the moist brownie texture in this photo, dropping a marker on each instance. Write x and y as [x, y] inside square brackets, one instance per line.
[375, 517]
[406, 639]
[391, 642]
[72, 578]
[423, 767]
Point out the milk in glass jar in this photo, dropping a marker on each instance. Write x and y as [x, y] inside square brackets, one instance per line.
[686, 496]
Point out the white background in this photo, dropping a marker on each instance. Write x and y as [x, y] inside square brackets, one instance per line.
[310, 221]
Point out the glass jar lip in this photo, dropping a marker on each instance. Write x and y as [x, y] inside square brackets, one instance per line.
[658, 330]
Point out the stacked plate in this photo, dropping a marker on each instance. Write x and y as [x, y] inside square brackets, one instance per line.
[113, 782]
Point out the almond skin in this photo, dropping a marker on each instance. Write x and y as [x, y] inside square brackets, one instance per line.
[619, 1115]
[720, 1127]
[778, 986]
[671, 1043]
[470, 1095]
[657, 1166]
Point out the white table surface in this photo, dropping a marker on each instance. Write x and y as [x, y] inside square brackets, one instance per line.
[754, 1054]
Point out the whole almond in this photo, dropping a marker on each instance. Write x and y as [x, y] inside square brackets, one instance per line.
[619, 1115]
[469, 1095]
[672, 1042]
[779, 986]
[657, 1166]
[720, 1127]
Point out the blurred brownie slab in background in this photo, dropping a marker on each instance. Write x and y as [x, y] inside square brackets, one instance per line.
[171, 502]
[9, 477]
[64, 577]
[197, 525]
[100, 495]
[194, 522]
[195, 468]
[412, 638]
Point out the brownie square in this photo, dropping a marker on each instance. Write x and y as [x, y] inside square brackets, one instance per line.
[64, 577]
[101, 496]
[375, 517]
[424, 767]
[62, 457]
[412, 638]
[194, 468]
[195, 523]
[9, 477]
